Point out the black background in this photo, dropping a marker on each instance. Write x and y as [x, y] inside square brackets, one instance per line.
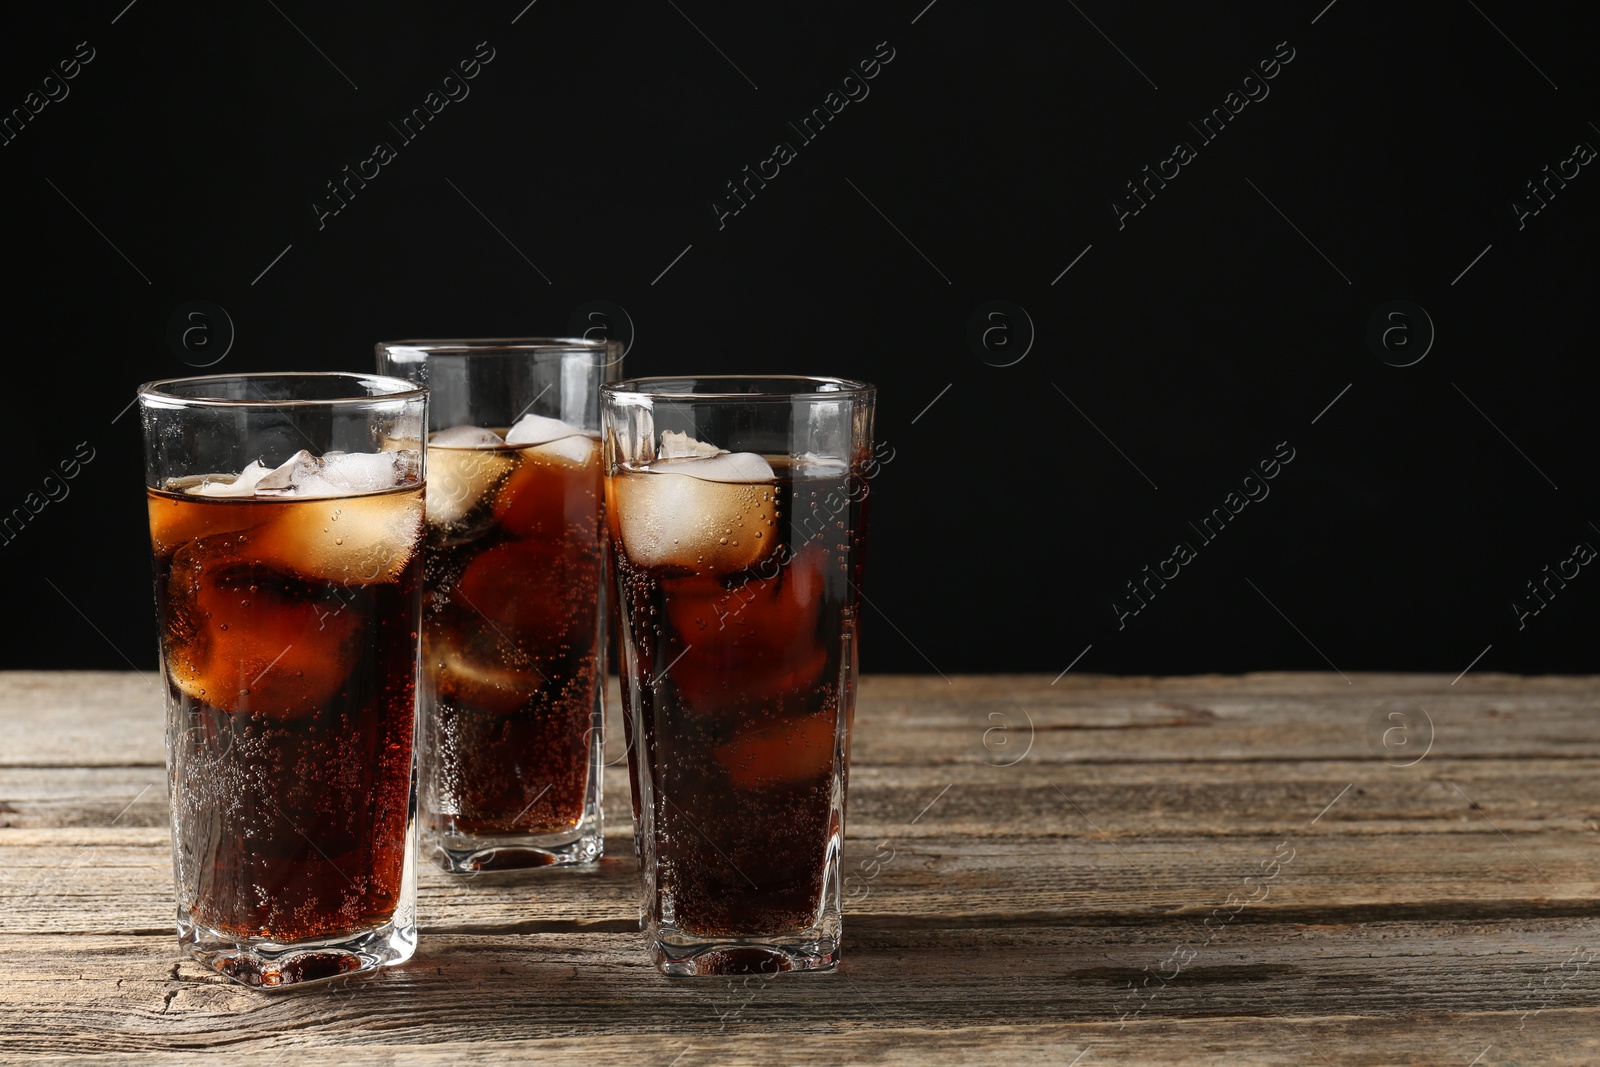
[1218, 322]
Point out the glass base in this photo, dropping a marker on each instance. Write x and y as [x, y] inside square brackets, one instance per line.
[469, 854]
[273, 965]
[677, 953]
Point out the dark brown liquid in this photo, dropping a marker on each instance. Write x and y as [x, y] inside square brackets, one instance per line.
[288, 644]
[734, 691]
[510, 632]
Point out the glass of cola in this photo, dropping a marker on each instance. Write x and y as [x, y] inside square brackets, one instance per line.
[286, 527]
[736, 509]
[512, 705]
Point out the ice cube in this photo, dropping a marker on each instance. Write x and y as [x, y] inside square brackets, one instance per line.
[303, 474]
[716, 514]
[792, 750]
[720, 467]
[759, 637]
[524, 604]
[299, 468]
[242, 484]
[338, 474]
[578, 450]
[365, 472]
[465, 437]
[539, 429]
[355, 540]
[242, 637]
[555, 490]
[472, 672]
[460, 477]
[675, 445]
[821, 466]
[534, 597]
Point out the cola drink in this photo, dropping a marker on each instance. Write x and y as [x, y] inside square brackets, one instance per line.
[511, 715]
[737, 578]
[288, 604]
[511, 629]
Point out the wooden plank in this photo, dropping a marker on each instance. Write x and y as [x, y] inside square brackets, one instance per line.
[1213, 799]
[1502, 982]
[81, 718]
[992, 721]
[1202, 799]
[99, 882]
[1565, 1038]
[115, 718]
[34, 798]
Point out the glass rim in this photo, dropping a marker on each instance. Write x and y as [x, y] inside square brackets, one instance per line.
[393, 389]
[651, 387]
[464, 346]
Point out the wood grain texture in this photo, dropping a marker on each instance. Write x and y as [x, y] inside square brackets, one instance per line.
[79, 719]
[1036, 873]
[93, 887]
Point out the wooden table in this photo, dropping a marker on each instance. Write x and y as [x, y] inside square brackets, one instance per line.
[1100, 871]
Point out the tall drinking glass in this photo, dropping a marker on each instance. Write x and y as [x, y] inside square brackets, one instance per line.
[737, 510]
[286, 524]
[512, 709]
